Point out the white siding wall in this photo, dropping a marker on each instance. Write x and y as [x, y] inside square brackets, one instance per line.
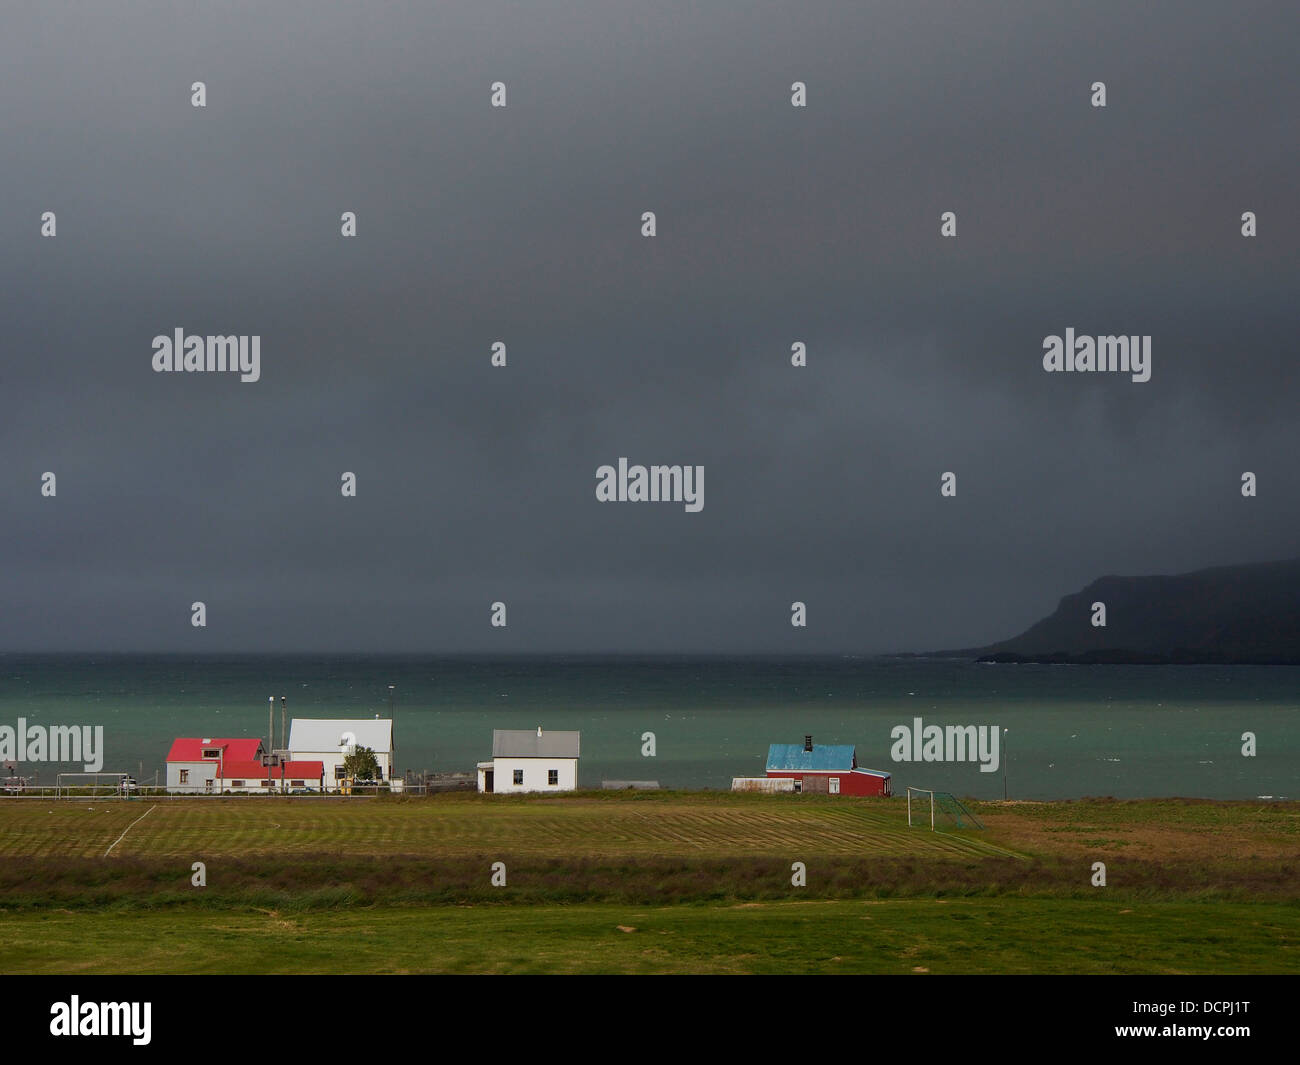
[255, 785]
[535, 774]
[199, 772]
[764, 784]
[252, 784]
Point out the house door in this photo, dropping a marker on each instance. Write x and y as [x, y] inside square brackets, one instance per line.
[488, 775]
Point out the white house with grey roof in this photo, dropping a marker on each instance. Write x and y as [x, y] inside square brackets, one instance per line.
[330, 740]
[524, 760]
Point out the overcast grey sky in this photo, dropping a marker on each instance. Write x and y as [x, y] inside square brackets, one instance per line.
[522, 224]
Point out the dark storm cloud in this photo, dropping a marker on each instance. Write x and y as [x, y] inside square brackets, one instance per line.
[521, 224]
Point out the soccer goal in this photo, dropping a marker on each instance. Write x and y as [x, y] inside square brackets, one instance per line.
[95, 786]
[939, 805]
[924, 797]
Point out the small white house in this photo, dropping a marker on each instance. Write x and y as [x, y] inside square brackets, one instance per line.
[524, 760]
[330, 740]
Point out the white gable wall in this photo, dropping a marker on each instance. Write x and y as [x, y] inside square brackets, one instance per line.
[199, 774]
[325, 733]
[535, 774]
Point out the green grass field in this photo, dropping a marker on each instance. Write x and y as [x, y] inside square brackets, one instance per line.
[646, 882]
[716, 825]
[903, 936]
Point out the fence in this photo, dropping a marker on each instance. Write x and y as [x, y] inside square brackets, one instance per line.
[104, 793]
[118, 785]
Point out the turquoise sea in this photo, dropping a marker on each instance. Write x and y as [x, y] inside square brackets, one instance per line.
[1126, 731]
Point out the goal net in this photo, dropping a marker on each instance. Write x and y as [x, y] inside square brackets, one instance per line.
[936, 807]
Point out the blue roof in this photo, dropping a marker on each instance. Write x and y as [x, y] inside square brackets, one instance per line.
[823, 758]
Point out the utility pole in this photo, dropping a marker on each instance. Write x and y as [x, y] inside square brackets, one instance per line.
[284, 734]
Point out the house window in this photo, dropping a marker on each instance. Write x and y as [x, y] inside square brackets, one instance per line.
[212, 752]
[207, 784]
[236, 783]
[519, 776]
[338, 772]
[835, 785]
[266, 783]
[552, 776]
[185, 776]
[297, 783]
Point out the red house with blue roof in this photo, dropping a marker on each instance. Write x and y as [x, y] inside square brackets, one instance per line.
[830, 769]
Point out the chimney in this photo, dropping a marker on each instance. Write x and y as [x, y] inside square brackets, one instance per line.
[807, 743]
[539, 732]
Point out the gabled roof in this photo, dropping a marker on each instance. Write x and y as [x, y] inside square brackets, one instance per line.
[533, 743]
[321, 734]
[190, 749]
[823, 758]
[256, 771]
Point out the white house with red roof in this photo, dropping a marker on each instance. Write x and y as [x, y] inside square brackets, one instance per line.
[214, 766]
[198, 765]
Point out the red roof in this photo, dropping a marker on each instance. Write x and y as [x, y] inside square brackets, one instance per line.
[190, 749]
[252, 770]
